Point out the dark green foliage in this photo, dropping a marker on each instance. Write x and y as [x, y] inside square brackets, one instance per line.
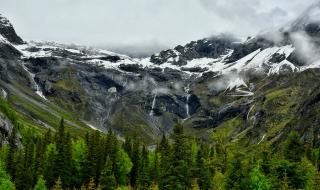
[144, 180]
[237, 174]
[203, 171]
[135, 157]
[5, 181]
[294, 149]
[164, 150]
[63, 162]
[104, 162]
[179, 173]
[258, 181]
[10, 165]
[107, 179]
[40, 185]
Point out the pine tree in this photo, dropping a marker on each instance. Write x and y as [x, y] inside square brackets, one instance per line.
[94, 161]
[59, 161]
[144, 181]
[28, 165]
[127, 146]
[68, 164]
[10, 165]
[258, 181]
[285, 182]
[135, 157]
[39, 159]
[294, 149]
[235, 174]
[195, 185]
[58, 185]
[179, 176]
[91, 185]
[164, 150]
[49, 165]
[203, 169]
[20, 172]
[40, 185]
[218, 181]
[154, 166]
[5, 181]
[107, 179]
[63, 162]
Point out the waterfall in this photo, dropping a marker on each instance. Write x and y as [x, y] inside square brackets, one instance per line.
[187, 105]
[188, 95]
[37, 88]
[153, 105]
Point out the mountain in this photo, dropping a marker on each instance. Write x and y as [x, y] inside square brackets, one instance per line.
[257, 90]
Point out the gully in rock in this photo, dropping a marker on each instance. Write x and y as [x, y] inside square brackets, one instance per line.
[153, 104]
[188, 95]
[37, 87]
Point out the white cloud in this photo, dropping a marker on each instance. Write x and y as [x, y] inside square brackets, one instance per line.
[140, 22]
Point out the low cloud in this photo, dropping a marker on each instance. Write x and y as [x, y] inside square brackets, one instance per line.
[306, 49]
[223, 82]
[118, 24]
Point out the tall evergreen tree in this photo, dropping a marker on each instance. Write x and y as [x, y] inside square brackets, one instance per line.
[179, 172]
[203, 169]
[10, 164]
[20, 171]
[58, 185]
[5, 181]
[63, 162]
[164, 150]
[40, 185]
[144, 181]
[49, 165]
[135, 157]
[294, 149]
[258, 181]
[107, 178]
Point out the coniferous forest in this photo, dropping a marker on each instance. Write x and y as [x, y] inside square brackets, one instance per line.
[182, 103]
[98, 161]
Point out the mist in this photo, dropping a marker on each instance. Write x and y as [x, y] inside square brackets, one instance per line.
[142, 27]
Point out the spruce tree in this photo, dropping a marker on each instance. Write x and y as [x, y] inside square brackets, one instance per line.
[91, 185]
[63, 162]
[294, 149]
[107, 179]
[203, 171]
[58, 185]
[49, 165]
[59, 159]
[179, 172]
[21, 171]
[144, 181]
[164, 150]
[135, 157]
[236, 175]
[10, 164]
[40, 185]
[258, 180]
[5, 181]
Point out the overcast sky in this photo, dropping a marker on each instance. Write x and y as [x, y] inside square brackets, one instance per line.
[147, 24]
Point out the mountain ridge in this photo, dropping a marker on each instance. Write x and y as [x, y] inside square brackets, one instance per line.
[205, 85]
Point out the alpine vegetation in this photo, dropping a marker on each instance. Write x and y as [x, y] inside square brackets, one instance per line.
[215, 113]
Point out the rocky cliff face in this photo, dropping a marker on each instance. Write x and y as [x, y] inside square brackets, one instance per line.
[256, 90]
